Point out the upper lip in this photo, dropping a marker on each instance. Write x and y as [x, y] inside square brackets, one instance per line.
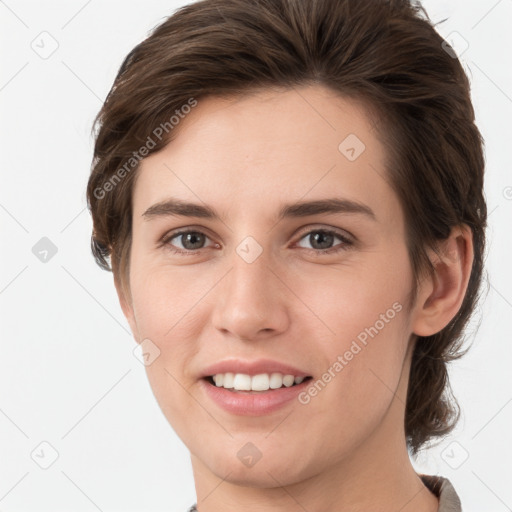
[252, 368]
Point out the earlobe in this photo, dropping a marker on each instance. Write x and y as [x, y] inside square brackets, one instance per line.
[442, 294]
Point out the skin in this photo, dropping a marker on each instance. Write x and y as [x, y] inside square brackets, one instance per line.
[345, 449]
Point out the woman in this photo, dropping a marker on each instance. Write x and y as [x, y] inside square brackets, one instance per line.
[290, 197]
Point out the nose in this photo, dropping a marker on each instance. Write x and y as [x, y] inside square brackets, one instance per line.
[251, 300]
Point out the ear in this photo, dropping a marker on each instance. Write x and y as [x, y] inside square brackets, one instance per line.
[440, 296]
[127, 307]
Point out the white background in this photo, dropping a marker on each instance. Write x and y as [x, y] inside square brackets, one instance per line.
[68, 375]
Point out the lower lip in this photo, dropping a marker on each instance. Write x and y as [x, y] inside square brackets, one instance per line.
[252, 403]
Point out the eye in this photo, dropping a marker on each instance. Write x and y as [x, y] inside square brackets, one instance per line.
[322, 239]
[190, 241]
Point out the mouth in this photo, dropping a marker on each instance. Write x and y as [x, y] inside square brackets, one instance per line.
[256, 395]
[233, 388]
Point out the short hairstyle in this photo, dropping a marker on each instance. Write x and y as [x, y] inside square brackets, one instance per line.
[385, 54]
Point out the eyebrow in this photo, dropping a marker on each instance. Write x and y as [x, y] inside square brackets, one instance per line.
[177, 207]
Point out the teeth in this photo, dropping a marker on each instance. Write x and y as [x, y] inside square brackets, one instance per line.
[242, 382]
[260, 382]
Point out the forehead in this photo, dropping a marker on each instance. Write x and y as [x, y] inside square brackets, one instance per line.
[299, 143]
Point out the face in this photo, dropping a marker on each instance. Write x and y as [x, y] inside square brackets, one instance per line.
[322, 289]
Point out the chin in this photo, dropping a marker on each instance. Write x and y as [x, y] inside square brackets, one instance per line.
[259, 476]
[270, 470]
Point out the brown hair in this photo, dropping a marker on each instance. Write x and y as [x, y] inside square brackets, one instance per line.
[385, 53]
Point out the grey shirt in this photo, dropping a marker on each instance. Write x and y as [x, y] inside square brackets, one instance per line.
[448, 499]
[439, 486]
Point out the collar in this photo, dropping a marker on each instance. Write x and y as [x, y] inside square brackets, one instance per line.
[442, 488]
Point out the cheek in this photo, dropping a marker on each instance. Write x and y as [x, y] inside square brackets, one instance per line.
[349, 300]
[362, 318]
[166, 306]
[363, 365]
[165, 299]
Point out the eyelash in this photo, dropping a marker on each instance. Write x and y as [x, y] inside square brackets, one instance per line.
[343, 247]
